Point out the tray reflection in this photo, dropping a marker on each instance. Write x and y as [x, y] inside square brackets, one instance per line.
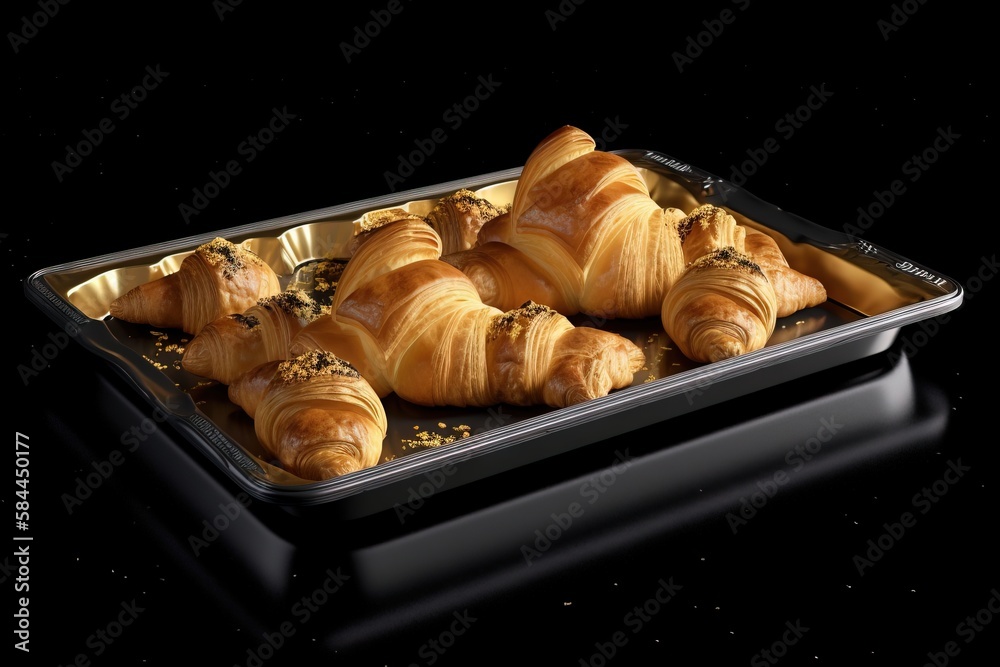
[445, 550]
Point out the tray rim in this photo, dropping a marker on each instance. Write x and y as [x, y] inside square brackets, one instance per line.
[188, 419]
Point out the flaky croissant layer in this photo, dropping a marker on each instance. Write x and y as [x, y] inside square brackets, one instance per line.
[416, 326]
[314, 413]
[217, 279]
[584, 235]
[233, 344]
[721, 307]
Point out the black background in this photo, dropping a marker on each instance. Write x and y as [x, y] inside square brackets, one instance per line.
[607, 68]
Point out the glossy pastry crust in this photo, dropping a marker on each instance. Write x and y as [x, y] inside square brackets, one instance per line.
[218, 278]
[314, 413]
[233, 344]
[416, 326]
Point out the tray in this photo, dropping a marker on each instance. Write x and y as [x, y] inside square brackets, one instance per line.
[872, 291]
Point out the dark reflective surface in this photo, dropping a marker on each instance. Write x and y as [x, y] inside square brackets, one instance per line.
[763, 518]
[878, 550]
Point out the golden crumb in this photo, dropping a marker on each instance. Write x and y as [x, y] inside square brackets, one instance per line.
[231, 257]
[729, 259]
[328, 272]
[293, 302]
[465, 201]
[375, 219]
[703, 216]
[429, 439]
[315, 364]
[155, 363]
[513, 321]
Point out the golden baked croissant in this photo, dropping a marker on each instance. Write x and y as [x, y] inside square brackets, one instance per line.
[415, 325]
[722, 306]
[314, 413]
[593, 239]
[217, 279]
[233, 344]
[458, 218]
[794, 290]
[585, 236]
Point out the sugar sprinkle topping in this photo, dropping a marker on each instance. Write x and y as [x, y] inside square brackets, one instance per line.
[314, 364]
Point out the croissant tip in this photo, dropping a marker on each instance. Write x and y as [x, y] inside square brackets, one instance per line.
[726, 349]
[125, 306]
[197, 357]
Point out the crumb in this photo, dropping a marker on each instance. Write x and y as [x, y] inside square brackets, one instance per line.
[155, 363]
[314, 364]
[428, 439]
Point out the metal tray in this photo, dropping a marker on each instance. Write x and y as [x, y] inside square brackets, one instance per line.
[872, 294]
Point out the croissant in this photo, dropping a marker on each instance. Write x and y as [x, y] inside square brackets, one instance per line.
[584, 236]
[233, 344]
[416, 326]
[591, 235]
[314, 413]
[217, 279]
[794, 290]
[458, 218]
[722, 306]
